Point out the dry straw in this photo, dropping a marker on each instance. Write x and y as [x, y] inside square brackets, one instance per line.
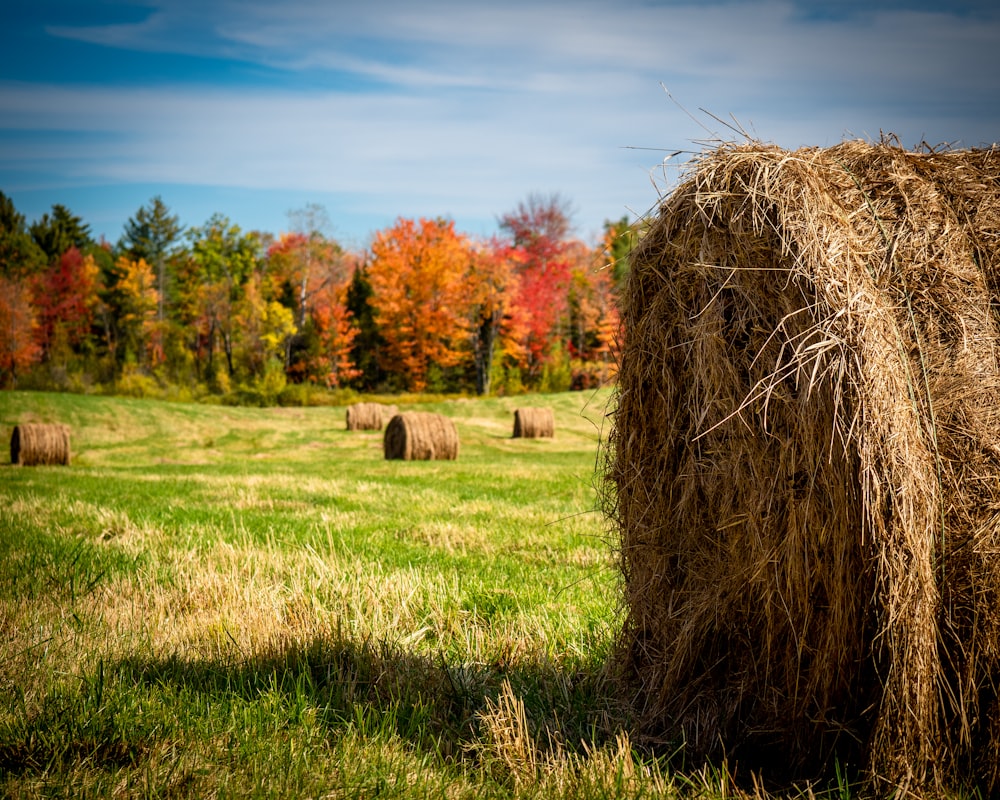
[34, 444]
[368, 416]
[805, 463]
[420, 436]
[534, 423]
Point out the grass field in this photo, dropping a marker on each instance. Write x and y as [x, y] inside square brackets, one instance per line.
[232, 602]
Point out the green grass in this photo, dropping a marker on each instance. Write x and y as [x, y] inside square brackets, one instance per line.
[232, 602]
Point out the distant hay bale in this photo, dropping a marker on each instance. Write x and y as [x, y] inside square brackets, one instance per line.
[534, 423]
[35, 444]
[368, 416]
[420, 436]
[804, 469]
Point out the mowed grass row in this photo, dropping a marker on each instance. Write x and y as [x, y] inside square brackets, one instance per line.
[232, 602]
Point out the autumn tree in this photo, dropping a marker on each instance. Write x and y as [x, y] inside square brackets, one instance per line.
[287, 272]
[416, 275]
[263, 326]
[593, 321]
[538, 229]
[310, 273]
[491, 283]
[312, 247]
[136, 303]
[425, 306]
[301, 267]
[66, 296]
[19, 348]
[587, 298]
[332, 363]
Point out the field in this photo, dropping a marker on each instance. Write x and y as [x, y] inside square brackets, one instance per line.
[231, 602]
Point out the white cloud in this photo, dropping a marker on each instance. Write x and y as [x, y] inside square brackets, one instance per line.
[412, 150]
[472, 106]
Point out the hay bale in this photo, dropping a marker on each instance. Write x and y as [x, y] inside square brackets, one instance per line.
[804, 469]
[534, 423]
[368, 416]
[420, 436]
[33, 444]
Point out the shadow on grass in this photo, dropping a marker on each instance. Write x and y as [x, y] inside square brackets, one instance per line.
[120, 715]
[375, 691]
[383, 690]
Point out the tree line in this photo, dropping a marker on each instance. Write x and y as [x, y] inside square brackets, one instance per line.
[218, 311]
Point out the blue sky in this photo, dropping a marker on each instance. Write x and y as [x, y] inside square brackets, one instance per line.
[378, 109]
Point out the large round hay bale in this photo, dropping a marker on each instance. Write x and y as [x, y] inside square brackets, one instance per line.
[33, 444]
[420, 436]
[534, 423]
[804, 468]
[368, 416]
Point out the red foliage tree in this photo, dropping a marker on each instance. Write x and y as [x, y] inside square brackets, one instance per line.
[538, 229]
[335, 333]
[65, 296]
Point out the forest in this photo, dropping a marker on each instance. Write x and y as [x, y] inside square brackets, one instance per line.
[216, 313]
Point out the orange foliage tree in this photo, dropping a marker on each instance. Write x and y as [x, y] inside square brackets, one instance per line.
[332, 364]
[138, 300]
[417, 274]
[19, 348]
[496, 324]
[313, 273]
[303, 265]
[593, 320]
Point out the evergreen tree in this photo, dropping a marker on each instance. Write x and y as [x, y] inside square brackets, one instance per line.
[58, 233]
[19, 255]
[150, 236]
[368, 342]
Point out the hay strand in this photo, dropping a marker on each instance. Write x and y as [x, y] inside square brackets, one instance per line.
[36, 444]
[805, 463]
[421, 436]
[534, 423]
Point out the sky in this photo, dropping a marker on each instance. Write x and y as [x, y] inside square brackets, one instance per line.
[375, 110]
